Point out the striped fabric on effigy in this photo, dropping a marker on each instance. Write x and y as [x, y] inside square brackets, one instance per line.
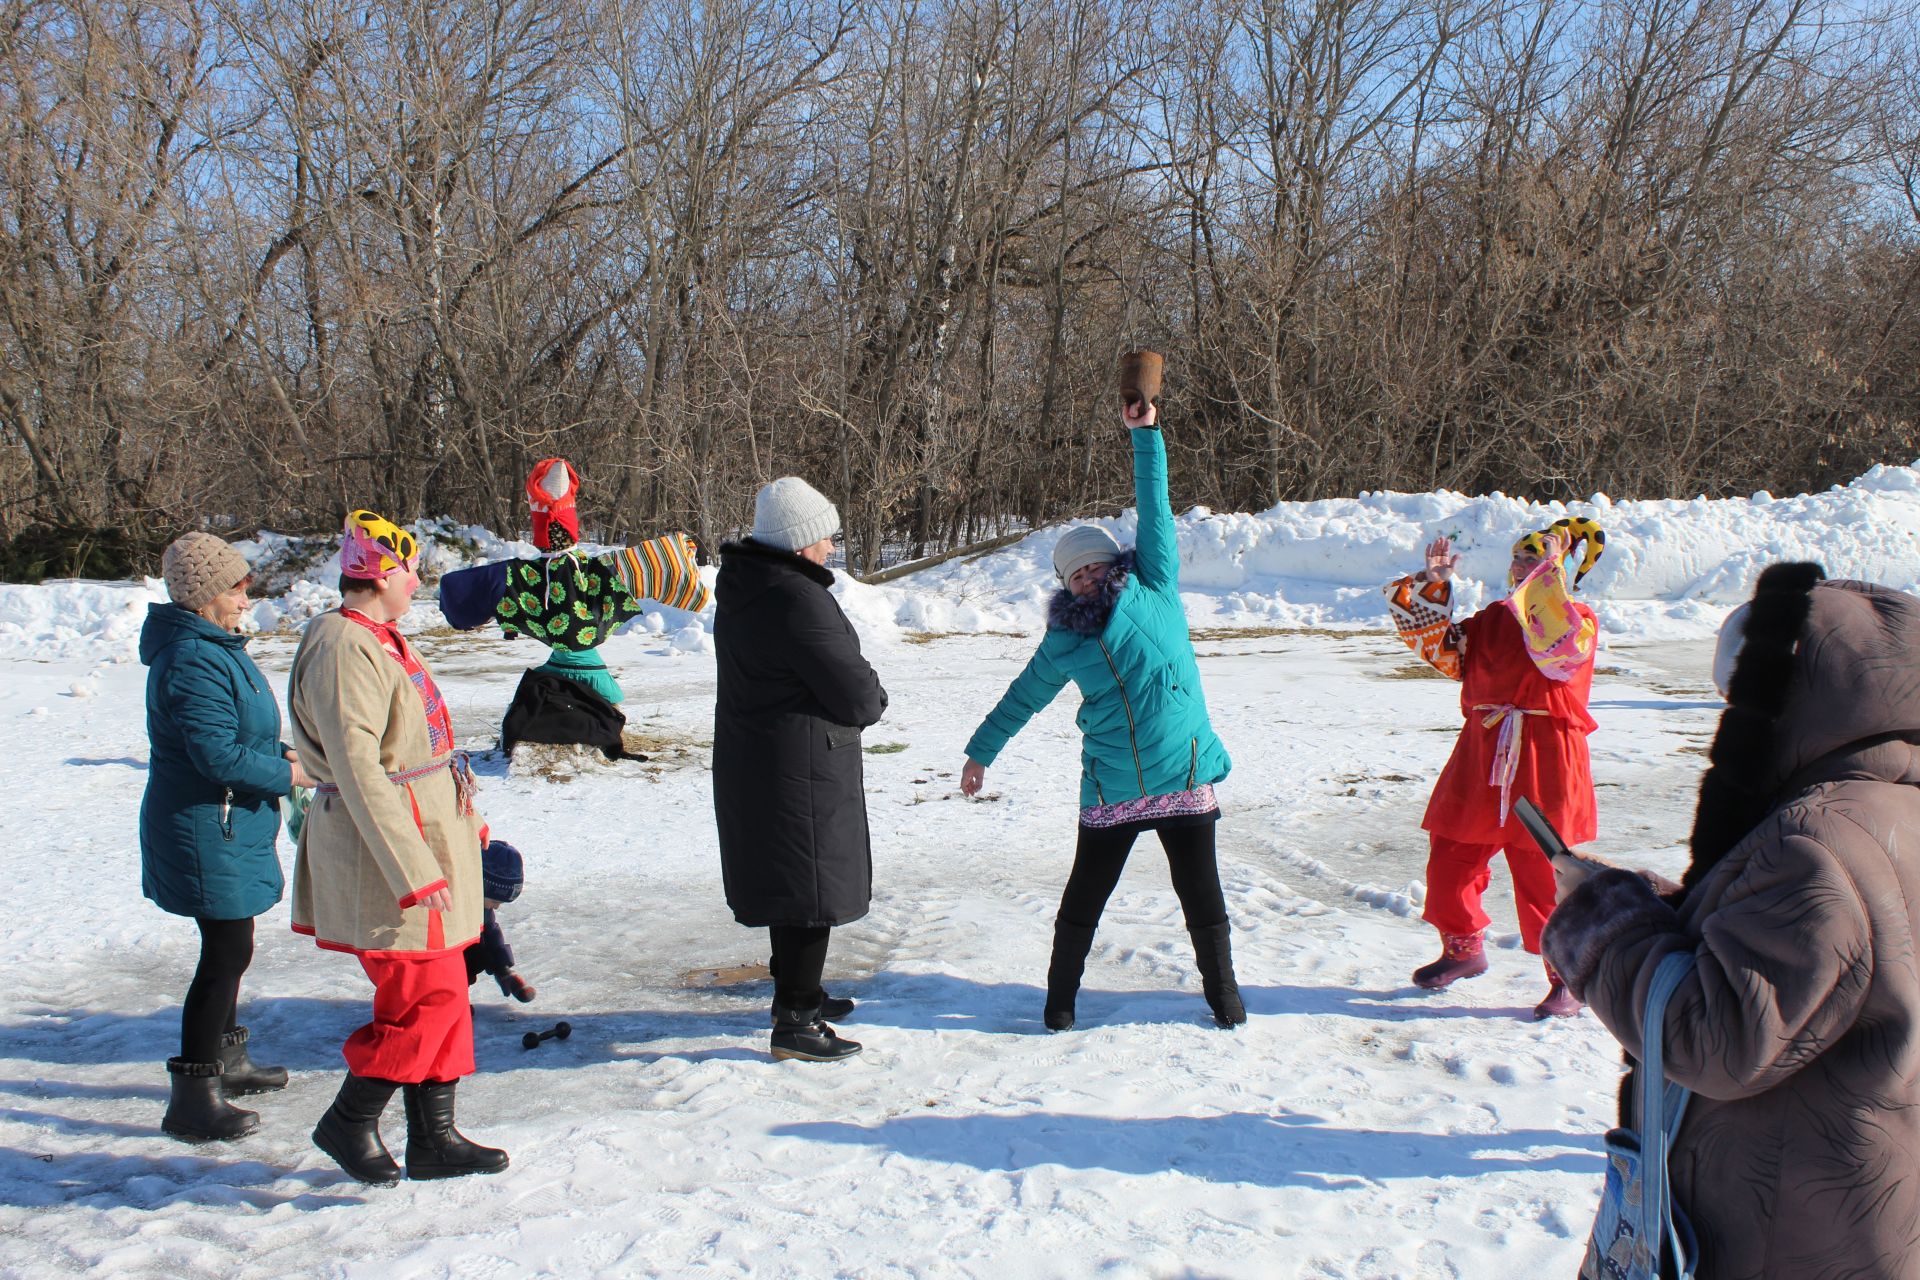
[664, 569]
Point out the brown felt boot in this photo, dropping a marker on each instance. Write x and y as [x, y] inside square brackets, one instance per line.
[1560, 1002]
[1462, 955]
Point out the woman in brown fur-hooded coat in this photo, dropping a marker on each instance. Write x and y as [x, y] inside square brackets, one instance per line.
[1799, 1028]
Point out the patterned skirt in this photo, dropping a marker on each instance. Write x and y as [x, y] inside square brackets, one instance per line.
[1147, 813]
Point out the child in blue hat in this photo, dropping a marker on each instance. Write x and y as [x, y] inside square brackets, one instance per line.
[501, 873]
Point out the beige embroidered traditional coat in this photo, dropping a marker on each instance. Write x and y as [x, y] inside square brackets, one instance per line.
[372, 849]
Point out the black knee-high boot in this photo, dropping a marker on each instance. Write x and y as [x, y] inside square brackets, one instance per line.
[1213, 949]
[350, 1130]
[1071, 942]
[435, 1149]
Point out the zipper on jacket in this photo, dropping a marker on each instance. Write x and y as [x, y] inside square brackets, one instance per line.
[1093, 776]
[1133, 737]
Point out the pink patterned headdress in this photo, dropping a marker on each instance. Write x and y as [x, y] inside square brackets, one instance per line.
[375, 547]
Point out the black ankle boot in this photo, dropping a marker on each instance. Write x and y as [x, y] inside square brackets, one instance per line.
[240, 1074]
[832, 1009]
[1213, 949]
[196, 1111]
[801, 1034]
[350, 1130]
[1071, 942]
[435, 1149]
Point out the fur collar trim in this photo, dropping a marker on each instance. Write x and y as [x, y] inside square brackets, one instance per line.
[1088, 615]
[1740, 789]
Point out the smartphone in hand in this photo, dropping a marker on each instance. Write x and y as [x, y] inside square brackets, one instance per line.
[1547, 838]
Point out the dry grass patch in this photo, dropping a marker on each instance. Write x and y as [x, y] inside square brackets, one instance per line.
[1692, 693]
[725, 975]
[1421, 672]
[445, 641]
[662, 746]
[928, 637]
[1264, 633]
[651, 753]
[557, 762]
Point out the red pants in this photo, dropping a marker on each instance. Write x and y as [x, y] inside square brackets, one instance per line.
[422, 1026]
[1457, 874]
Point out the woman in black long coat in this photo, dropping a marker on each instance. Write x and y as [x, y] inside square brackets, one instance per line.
[788, 786]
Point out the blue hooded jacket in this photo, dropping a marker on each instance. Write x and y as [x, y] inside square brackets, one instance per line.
[1143, 724]
[211, 815]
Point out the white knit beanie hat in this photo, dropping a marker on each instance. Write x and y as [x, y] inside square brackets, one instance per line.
[790, 514]
[1080, 546]
[1726, 649]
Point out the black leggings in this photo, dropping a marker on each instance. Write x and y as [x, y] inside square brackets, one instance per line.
[226, 949]
[1101, 856]
[799, 958]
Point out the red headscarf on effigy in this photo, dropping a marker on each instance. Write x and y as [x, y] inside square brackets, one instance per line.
[551, 488]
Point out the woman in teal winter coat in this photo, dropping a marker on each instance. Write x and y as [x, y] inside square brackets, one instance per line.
[210, 819]
[1149, 756]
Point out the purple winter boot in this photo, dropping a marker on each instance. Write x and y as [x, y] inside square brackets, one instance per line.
[1559, 1003]
[1462, 956]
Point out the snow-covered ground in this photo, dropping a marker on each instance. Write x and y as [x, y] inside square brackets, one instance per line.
[1354, 1128]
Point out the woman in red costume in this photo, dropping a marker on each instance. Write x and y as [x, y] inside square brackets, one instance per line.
[1525, 666]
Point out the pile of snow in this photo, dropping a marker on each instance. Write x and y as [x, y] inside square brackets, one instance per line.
[1671, 571]
[282, 561]
[304, 600]
[56, 620]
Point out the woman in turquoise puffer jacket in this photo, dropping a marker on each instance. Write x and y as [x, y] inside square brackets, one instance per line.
[210, 819]
[1149, 755]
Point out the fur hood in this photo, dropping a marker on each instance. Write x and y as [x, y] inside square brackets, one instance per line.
[1827, 684]
[1737, 791]
[1088, 615]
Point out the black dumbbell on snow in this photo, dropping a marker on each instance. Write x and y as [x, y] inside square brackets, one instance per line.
[561, 1030]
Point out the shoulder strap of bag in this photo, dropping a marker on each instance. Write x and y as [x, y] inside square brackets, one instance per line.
[1662, 1103]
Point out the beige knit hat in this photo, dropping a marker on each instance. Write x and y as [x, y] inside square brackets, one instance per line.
[198, 567]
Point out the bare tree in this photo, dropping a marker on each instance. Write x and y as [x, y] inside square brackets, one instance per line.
[262, 260]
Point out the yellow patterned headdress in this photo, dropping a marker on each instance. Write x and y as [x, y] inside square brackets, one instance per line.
[1577, 529]
[375, 546]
